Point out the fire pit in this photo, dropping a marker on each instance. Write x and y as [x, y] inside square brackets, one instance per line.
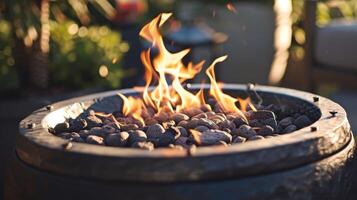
[307, 163]
[170, 141]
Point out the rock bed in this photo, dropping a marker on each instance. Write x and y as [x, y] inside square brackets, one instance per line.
[185, 130]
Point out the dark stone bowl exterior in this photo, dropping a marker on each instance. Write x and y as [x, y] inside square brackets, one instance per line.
[305, 164]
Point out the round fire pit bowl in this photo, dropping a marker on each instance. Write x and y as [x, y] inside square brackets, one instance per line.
[314, 162]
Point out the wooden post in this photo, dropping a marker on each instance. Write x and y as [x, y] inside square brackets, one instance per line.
[309, 24]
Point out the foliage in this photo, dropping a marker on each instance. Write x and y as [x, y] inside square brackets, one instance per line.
[8, 78]
[326, 12]
[329, 10]
[77, 53]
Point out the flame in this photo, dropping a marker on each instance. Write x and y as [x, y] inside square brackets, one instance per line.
[226, 102]
[161, 96]
[132, 107]
[244, 103]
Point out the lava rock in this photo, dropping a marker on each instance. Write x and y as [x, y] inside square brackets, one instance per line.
[163, 140]
[216, 117]
[238, 121]
[183, 131]
[255, 123]
[289, 129]
[78, 124]
[61, 127]
[137, 136]
[84, 134]
[230, 117]
[226, 124]
[261, 114]
[211, 137]
[117, 114]
[227, 130]
[150, 121]
[201, 115]
[174, 131]
[75, 137]
[93, 139]
[183, 124]
[246, 131]
[210, 114]
[192, 111]
[117, 139]
[125, 120]
[178, 117]
[129, 127]
[265, 130]
[239, 139]
[102, 131]
[193, 123]
[212, 102]
[208, 123]
[182, 141]
[115, 125]
[296, 115]
[205, 107]
[139, 123]
[271, 122]
[302, 121]
[222, 115]
[109, 129]
[143, 145]
[154, 131]
[162, 117]
[201, 128]
[93, 121]
[256, 137]
[286, 122]
[217, 108]
[168, 124]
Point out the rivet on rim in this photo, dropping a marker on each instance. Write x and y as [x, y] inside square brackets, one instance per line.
[333, 113]
[191, 150]
[49, 107]
[316, 99]
[313, 128]
[67, 146]
[31, 125]
[251, 86]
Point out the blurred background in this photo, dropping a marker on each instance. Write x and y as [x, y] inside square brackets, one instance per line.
[56, 49]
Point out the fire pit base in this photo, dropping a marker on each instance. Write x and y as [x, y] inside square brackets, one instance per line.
[329, 178]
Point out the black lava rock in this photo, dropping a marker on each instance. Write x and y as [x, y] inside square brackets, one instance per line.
[302, 121]
[61, 127]
[117, 139]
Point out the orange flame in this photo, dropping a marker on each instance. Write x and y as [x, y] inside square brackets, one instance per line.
[226, 102]
[244, 103]
[132, 107]
[163, 97]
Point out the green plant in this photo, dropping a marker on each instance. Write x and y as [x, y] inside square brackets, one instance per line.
[8, 76]
[327, 11]
[85, 56]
